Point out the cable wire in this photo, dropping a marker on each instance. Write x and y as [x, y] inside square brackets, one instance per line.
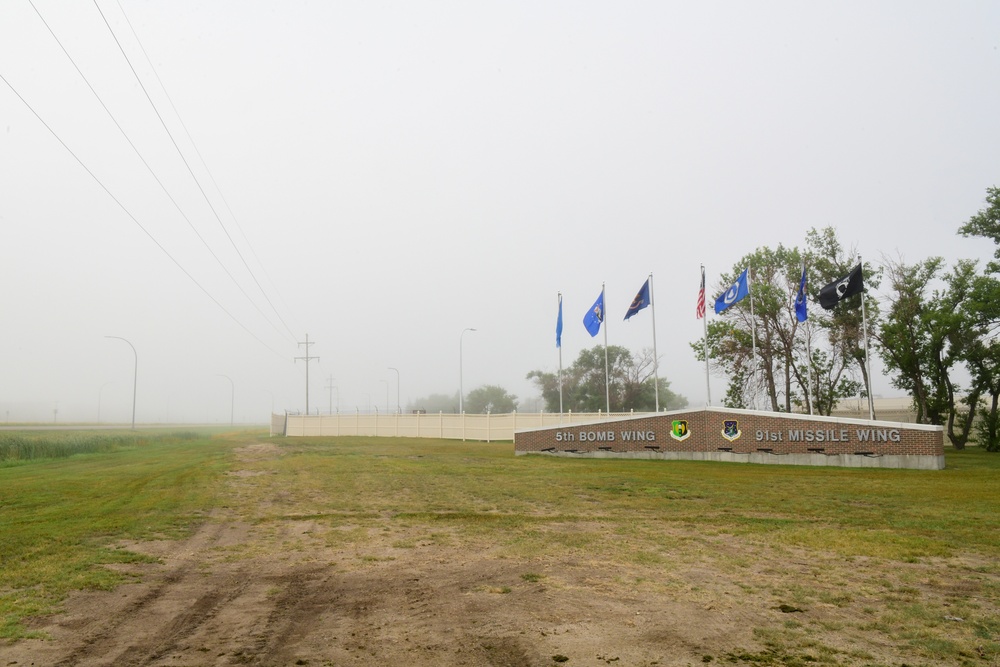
[134, 219]
[186, 164]
[151, 172]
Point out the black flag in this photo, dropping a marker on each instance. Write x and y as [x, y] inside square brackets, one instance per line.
[839, 290]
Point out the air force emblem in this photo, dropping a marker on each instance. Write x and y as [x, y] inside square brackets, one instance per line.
[679, 430]
[731, 430]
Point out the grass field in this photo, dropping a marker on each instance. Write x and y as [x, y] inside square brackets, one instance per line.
[904, 559]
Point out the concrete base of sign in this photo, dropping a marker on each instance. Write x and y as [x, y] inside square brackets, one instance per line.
[841, 460]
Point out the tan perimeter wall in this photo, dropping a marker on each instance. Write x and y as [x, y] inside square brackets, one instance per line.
[745, 436]
[487, 428]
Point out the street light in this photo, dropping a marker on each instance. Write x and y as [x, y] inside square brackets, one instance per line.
[397, 387]
[135, 374]
[232, 395]
[461, 385]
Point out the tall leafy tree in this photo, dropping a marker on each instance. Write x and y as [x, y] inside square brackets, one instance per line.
[807, 365]
[927, 336]
[986, 223]
[843, 325]
[630, 386]
[490, 398]
[983, 307]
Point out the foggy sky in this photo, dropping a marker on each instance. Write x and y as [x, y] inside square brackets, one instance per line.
[393, 173]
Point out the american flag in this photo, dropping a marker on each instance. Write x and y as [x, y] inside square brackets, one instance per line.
[701, 296]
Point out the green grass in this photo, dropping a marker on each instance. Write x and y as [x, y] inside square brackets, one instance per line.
[483, 489]
[875, 540]
[61, 516]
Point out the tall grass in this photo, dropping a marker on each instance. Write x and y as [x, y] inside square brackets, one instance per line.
[23, 446]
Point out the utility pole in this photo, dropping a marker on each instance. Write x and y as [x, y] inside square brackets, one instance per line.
[330, 389]
[307, 359]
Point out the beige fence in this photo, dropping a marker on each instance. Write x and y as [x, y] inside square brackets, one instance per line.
[441, 425]
[502, 426]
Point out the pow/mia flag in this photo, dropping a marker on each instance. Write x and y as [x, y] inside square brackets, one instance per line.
[840, 289]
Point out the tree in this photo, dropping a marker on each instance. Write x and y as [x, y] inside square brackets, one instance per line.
[843, 325]
[490, 398]
[927, 335]
[986, 223]
[983, 307]
[630, 386]
[787, 361]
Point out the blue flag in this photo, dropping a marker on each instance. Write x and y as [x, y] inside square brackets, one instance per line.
[640, 301]
[735, 293]
[592, 320]
[559, 324]
[800, 298]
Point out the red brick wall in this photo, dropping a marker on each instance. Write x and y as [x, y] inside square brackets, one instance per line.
[778, 433]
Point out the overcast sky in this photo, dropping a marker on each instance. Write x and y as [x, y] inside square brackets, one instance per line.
[383, 175]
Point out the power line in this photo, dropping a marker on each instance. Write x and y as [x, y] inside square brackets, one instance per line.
[204, 164]
[134, 219]
[150, 170]
[187, 165]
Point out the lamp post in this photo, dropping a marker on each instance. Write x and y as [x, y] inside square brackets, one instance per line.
[232, 395]
[461, 385]
[135, 374]
[397, 387]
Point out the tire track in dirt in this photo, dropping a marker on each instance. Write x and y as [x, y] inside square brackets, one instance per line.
[137, 632]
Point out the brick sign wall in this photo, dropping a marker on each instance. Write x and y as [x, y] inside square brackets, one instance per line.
[745, 436]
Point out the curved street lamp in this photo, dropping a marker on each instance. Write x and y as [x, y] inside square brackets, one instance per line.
[135, 374]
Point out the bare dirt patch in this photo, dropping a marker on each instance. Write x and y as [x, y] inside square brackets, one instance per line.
[295, 591]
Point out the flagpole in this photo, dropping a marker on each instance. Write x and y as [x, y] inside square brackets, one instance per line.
[607, 390]
[868, 360]
[753, 336]
[809, 355]
[708, 385]
[560, 360]
[656, 360]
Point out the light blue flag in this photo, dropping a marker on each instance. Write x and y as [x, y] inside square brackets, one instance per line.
[592, 320]
[735, 293]
[559, 324]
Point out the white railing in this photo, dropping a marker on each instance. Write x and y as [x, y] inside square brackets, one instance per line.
[488, 427]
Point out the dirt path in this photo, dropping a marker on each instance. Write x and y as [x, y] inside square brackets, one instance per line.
[439, 606]
[286, 593]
